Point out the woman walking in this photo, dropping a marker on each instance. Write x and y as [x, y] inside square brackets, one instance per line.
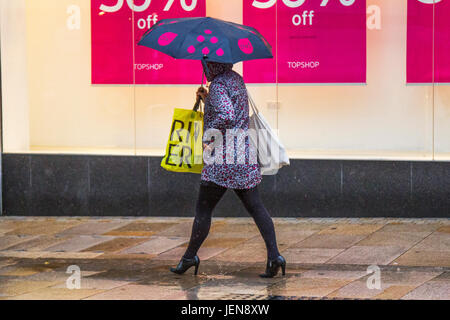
[226, 108]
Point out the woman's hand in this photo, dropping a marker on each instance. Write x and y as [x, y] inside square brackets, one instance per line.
[202, 92]
[207, 148]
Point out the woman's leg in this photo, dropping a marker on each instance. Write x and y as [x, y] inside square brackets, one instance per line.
[208, 198]
[255, 207]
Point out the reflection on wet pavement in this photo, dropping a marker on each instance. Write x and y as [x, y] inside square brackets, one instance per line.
[125, 258]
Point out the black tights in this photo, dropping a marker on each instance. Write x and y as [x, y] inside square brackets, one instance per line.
[209, 195]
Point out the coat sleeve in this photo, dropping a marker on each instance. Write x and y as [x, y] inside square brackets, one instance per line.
[223, 107]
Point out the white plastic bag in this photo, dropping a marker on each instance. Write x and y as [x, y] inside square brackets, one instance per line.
[271, 153]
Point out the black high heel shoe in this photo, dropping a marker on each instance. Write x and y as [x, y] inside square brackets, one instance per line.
[185, 264]
[273, 266]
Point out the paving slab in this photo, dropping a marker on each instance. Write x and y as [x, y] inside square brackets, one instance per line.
[418, 229]
[238, 282]
[6, 262]
[22, 271]
[213, 267]
[394, 292]
[57, 294]
[204, 253]
[135, 292]
[11, 240]
[20, 254]
[357, 290]
[47, 227]
[246, 251]
[156, 245]
[125, 275]
[386, 238]
[234, 230]
[394, 284]
[326, 258]
[57, 276]
[182, 229]
[404, 277]
[368, 255]
[14, 288]
[215, 241]
[329, 241]
[309, 255]
[122, 256]
[78, 243]
[290, 238]
[220, 289]
[258, 243]
[94, 227]
[6, 227]
[444, 229]
[91, 283]
[432, 290]
[306, 287]
[69, 255]
[443, 276]
[144, 229]
[117, 244]
[297, 225]
[427, 258]
[333, 274]
[38, 243]
[352, 229]
[438, 241]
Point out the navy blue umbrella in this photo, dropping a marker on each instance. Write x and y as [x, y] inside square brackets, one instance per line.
[207, 39]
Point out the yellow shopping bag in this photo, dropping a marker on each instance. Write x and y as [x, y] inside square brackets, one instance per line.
[184, 151]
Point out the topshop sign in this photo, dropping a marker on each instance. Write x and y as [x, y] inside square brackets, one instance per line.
[117, 26]
[318, 41]
[428, 32]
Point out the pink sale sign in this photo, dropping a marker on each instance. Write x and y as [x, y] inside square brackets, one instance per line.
[264, 20]
[116, 28]
[428, 24]
[316, 41]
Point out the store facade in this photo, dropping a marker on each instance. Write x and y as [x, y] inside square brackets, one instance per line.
[358, 92]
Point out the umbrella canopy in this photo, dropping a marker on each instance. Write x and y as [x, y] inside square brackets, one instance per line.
[207, 39]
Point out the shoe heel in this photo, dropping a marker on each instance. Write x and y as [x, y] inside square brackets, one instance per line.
[283, 269]
[196, 268]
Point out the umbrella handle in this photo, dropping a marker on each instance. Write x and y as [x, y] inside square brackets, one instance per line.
[197, 103]
[203, 77]
[199, 99]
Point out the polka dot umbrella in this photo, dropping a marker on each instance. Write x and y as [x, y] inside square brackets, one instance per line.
[207, 39]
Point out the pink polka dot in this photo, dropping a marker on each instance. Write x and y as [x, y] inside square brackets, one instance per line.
[214, 40]
[191, 49]
[220, 52]
[207, 31]
[166, 38]
[205, 50]
[245, 45]
[200, 38]
[173, 21]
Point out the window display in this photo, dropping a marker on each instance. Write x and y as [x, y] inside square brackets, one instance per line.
[75, 80]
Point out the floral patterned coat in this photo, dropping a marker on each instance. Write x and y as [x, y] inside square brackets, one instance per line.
[227, 109]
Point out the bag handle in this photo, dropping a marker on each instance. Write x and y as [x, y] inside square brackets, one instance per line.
[252, 103]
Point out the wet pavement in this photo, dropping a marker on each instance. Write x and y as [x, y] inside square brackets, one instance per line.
[128, 258]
